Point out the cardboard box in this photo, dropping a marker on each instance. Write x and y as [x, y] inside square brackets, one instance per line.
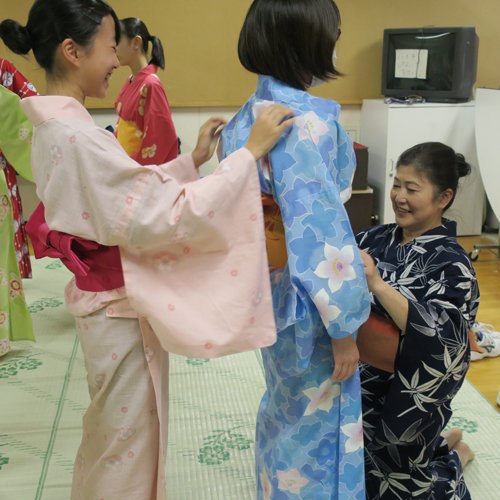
[360, 180]
[359, 209]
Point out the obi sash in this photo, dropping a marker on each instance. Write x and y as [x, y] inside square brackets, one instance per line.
[97, 268]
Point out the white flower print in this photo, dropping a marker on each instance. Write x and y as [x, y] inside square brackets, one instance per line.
[354, 433]
[291, 480]
[267, 487]
[24, 133]
[55, 154]
[327, 312]
[322, 397]
[311, 127]
[7, 79]
[337, 267]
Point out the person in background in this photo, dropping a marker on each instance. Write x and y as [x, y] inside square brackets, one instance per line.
[145, 128]
[141, 243]
[421, 279]
[309, 433]
[12, 79]
[15, 136]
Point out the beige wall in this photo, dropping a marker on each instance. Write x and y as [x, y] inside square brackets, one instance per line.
[200, 44]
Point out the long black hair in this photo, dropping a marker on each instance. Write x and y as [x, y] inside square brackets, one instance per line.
[52, 21]
[132, 27]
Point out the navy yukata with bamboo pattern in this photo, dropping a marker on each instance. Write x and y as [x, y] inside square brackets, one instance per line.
[405, 412]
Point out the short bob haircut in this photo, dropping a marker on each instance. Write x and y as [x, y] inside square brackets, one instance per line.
[291, 40]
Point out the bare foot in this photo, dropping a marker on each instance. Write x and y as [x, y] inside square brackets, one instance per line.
[464, 453]
[452, 436]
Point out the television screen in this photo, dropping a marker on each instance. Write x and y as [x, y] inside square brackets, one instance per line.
[435, 63]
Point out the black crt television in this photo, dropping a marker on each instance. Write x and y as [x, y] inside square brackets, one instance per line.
[436, 64]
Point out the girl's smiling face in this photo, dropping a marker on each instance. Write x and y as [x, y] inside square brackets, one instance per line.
[99, 60]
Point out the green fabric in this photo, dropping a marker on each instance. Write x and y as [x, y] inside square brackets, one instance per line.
[15, 131]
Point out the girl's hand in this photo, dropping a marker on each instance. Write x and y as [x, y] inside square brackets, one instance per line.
[372, 276]
[208, 138]
[346, 357]
[267, 129]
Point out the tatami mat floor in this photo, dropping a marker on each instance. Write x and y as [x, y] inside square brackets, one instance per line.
[212, 415]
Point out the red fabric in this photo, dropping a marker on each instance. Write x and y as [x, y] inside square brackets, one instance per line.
[378, 342]
[96, 267]
[13, 80]
[143, 102]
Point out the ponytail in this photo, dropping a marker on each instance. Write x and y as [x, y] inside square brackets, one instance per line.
[157, 55]
[132, 27]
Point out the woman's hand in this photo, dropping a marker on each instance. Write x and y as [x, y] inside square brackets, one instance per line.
[390, 298]
[208, 138]
[372, 276]
[267, 129]
[345, 357]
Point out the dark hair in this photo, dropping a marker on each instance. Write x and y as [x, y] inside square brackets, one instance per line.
[132, 27]
[290, 40]
[439, 163]
[52, 21]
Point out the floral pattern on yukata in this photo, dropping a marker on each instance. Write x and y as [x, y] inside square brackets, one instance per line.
[309, 440]
[405, 413]
[14, 81]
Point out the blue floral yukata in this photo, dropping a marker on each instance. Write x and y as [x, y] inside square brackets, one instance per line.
[309, 432]
[405, 412]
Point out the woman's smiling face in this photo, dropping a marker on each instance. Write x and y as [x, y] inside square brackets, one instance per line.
[417, 205]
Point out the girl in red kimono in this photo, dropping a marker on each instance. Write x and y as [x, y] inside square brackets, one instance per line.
[145, 128]
[14, 81]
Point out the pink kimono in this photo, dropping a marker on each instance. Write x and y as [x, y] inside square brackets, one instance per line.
[195, 281]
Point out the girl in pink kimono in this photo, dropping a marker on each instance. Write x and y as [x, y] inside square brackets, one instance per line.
[145, 128]
[149, 246]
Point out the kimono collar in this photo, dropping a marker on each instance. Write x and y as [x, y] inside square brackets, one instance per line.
[150, 69]
[42, 108]
[268, 88]
[447, 228]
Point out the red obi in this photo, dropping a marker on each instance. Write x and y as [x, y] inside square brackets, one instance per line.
[97, 268]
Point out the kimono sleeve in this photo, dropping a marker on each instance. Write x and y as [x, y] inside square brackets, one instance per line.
[15, 133]
[109, 198]
[22, 86]
[434, 352]
[159, 142]
[323, 260]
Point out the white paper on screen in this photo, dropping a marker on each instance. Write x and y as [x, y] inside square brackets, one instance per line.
[411, 63]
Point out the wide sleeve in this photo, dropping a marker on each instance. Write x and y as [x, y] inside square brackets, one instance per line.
[15, 133]
[192, 251]
[311, 173]
[159, 142]
[434, 351]
[22, 86]
[109, 198]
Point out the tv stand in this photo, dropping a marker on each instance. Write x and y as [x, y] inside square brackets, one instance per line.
[390, 129]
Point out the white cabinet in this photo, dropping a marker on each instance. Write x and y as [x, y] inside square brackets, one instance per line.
[390, 129]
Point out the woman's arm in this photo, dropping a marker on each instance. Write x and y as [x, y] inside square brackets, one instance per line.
[391, 300]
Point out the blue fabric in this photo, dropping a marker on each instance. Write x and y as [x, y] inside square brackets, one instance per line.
[405, 412]
[308, 426]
